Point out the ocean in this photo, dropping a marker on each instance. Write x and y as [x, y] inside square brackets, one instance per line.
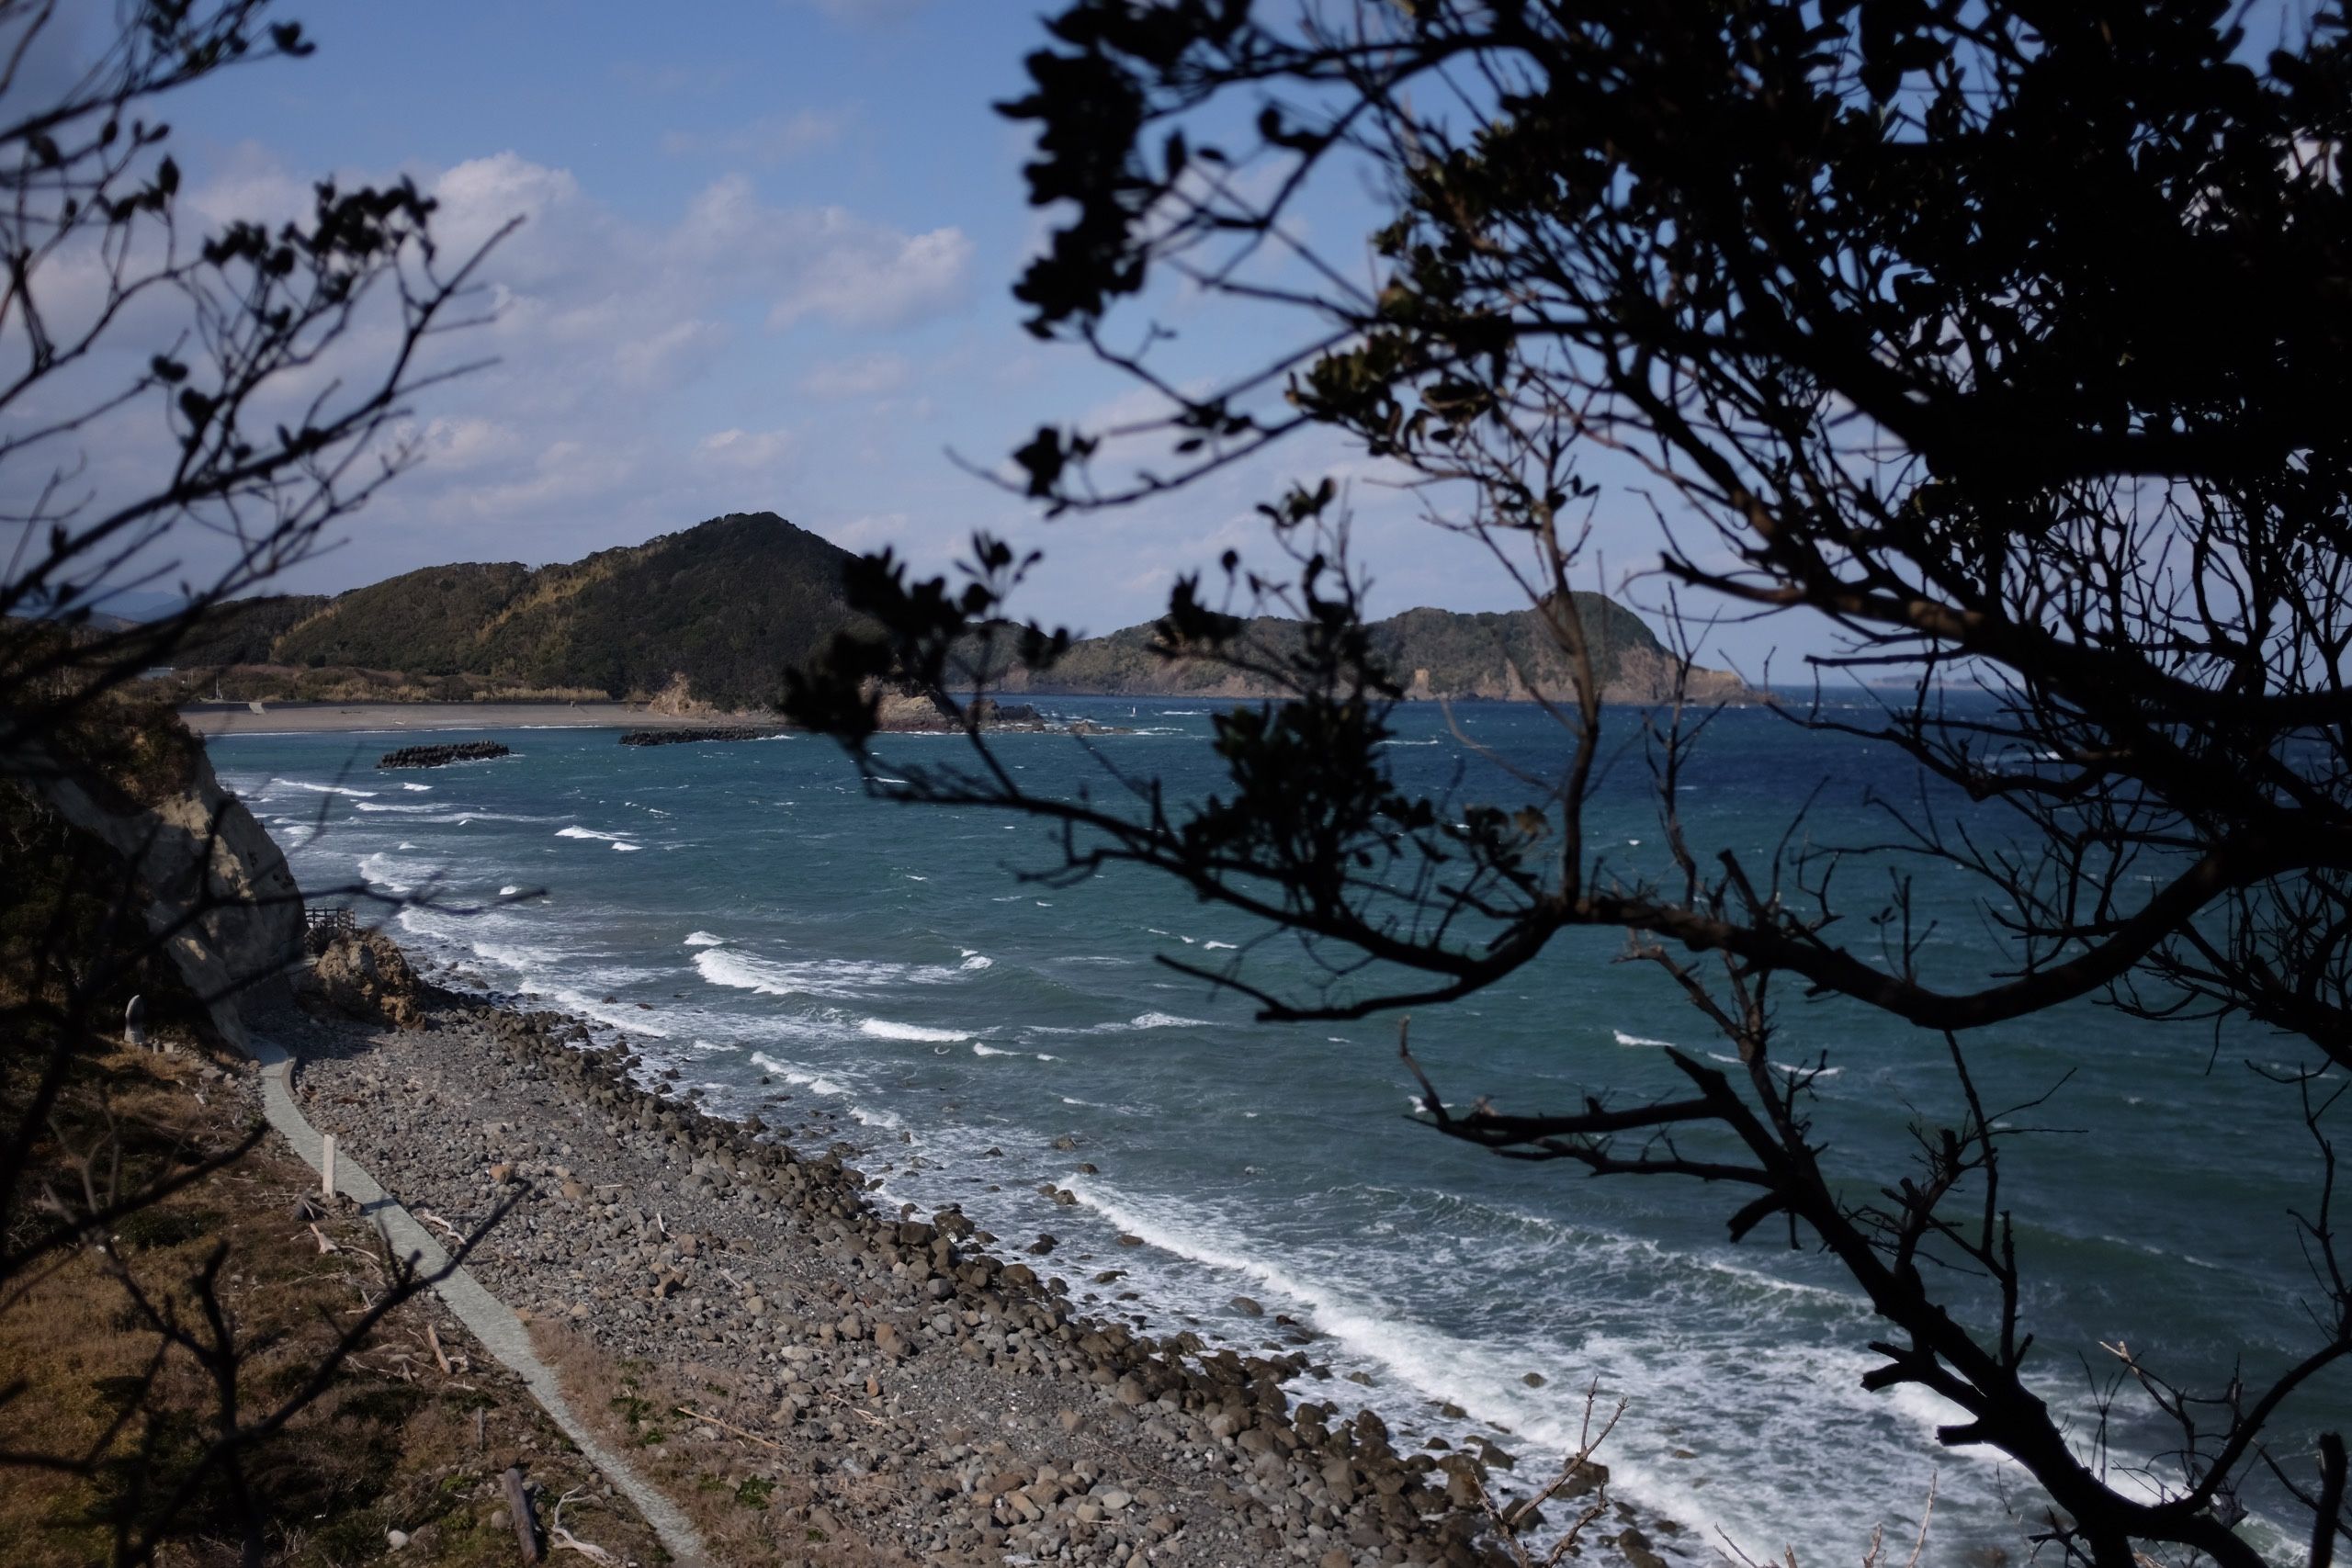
[866, 972]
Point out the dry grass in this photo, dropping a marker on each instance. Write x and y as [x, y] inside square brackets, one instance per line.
[753, 1503]
[395, 1442]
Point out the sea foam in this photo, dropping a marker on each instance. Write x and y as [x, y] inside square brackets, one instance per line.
[883, 1028]
[323, 789]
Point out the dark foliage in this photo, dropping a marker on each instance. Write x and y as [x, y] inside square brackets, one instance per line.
[120, 312]
[2011, 340]
[425, 623]
[244, 631]
[725, 604]
[1436, 653]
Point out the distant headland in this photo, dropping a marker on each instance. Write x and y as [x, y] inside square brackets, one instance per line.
[698, 625]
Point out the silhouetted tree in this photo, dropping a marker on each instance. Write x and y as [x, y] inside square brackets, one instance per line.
[2013, 339]
[274, 363]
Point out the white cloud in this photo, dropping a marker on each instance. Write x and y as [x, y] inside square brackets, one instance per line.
[607, 339]
[825, 262]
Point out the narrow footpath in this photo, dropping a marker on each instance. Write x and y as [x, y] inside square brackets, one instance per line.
[489, 1319]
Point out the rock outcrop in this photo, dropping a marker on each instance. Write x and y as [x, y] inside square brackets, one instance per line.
[216, 890]
[365, 975]
[902, 714]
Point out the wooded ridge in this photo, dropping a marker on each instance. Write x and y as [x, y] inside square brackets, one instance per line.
[709, 618]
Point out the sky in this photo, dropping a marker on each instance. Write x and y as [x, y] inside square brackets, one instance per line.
[764, 264]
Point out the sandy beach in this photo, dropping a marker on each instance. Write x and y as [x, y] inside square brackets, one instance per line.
[366, 718]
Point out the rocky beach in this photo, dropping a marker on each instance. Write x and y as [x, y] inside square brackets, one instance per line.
[941, 1399]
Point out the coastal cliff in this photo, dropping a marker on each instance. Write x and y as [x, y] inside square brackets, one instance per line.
[214, 890]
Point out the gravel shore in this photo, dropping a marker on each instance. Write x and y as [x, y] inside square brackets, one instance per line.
[936, 1399]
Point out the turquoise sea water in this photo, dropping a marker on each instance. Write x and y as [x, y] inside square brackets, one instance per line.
[861, 970]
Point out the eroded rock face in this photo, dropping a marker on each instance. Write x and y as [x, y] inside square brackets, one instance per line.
[367, 976]
[217, 891]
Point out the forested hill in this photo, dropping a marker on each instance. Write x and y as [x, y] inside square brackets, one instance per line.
[716, 613]
[1433, 653]
[727, 606]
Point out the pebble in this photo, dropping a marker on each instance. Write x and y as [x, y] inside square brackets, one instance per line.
[870, 1343]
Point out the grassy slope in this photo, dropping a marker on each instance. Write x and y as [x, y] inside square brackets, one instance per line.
[392, 1443]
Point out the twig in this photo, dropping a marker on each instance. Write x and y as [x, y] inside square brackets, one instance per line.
[729, 1426]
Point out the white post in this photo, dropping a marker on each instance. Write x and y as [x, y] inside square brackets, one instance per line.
[326, 1165]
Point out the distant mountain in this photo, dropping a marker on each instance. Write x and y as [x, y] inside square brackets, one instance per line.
[1511, 656]
[713, 613]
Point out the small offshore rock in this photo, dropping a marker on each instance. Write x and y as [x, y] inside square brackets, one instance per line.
[442, 756]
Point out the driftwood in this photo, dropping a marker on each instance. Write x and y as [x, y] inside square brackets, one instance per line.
[518, 1508]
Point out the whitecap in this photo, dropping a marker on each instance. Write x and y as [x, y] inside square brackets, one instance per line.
[842, 978]
[980, 1050]
[419, 788]
[1792, 1069]
[704, 938]
[386, 872]
[1213, 946]
[323, 789]
[629, 849]
[973, 959]
[1626, 1039]
[1164, 1020]
[509, 891]
[816, 1083]
[883, 1028]
[579, 832]
[408, 810]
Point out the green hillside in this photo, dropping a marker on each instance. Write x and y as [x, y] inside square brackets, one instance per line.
[730, 604]
[243, 631]
[727, 605]
[1432, 653]
[421, 623]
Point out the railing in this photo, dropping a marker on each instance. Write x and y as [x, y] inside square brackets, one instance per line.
[320, 928]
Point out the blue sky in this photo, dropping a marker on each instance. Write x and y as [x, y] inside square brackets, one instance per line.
[765, 265]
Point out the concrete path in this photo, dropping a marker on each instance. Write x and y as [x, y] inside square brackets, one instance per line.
[489, 1319]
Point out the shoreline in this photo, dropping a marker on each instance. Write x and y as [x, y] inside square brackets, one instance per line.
[210, 720]
[869, 1345]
